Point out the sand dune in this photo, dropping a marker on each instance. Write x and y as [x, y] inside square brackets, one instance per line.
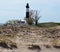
[48, 39]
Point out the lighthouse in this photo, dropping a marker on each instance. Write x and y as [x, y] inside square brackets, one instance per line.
[27, 10]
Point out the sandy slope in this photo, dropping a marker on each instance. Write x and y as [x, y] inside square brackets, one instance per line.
[34, 35]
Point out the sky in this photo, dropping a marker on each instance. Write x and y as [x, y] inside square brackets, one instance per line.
[49, 10]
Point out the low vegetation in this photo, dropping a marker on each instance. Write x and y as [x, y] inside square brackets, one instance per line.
[49, 24]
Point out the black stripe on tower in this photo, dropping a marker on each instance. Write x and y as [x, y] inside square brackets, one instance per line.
[27, 14]
[27, 10]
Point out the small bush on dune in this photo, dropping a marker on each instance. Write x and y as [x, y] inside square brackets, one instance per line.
[3, 45]
[12, 46]
[33, 47]
[47, 46]
[55, 46]
[7, 44]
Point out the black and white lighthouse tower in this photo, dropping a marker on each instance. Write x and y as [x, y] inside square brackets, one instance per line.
[27, 10]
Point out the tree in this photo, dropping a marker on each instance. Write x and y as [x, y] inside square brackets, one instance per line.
[37, 17]
[29, 20]
[34, 16]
